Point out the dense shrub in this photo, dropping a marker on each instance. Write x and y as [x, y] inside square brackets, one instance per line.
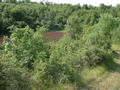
[101, 36]
[52, 16]
[12, 76]
[41, 76]
[85, 47]
[29, 62]
[26, 45]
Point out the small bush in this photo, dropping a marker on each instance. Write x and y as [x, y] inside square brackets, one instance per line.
[41, 77]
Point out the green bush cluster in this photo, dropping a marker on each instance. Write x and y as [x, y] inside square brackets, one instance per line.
[80, 48]
[33, 14]
[61, 62]
[29, 62]
[53, 16]
[12, 75]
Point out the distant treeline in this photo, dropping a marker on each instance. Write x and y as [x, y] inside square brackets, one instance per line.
[52, 16]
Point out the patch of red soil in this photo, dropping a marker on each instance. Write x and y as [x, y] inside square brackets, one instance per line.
[1, 40]
[54, 36]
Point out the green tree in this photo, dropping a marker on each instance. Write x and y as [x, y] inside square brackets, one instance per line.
[10, 1]
[73, 27]
[26, 0]
[26, 46]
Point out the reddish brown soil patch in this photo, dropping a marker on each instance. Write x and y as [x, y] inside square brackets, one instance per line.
[54, 36]
[1, 40]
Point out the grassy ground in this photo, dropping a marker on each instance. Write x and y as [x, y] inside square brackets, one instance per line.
[104, 79]
[100, 77]
[112, 79]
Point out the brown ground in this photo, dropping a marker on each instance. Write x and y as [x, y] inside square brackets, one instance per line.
[54, 36]
[1, 40]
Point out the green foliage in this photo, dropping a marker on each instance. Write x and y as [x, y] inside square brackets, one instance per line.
[101, 36]
[41, 77]
[10, 1]
[88, 47]
[73, 28]
[33, 15]
[18, 13]
[12, 76]
[116, 36]
[53, 16]
[25, 45]
[26, 56]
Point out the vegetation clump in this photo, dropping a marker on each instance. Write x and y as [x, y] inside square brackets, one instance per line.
[29, 62]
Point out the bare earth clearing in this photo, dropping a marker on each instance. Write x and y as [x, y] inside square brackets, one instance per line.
[54, 36]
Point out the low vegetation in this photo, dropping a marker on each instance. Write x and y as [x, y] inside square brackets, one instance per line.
[82, 59]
